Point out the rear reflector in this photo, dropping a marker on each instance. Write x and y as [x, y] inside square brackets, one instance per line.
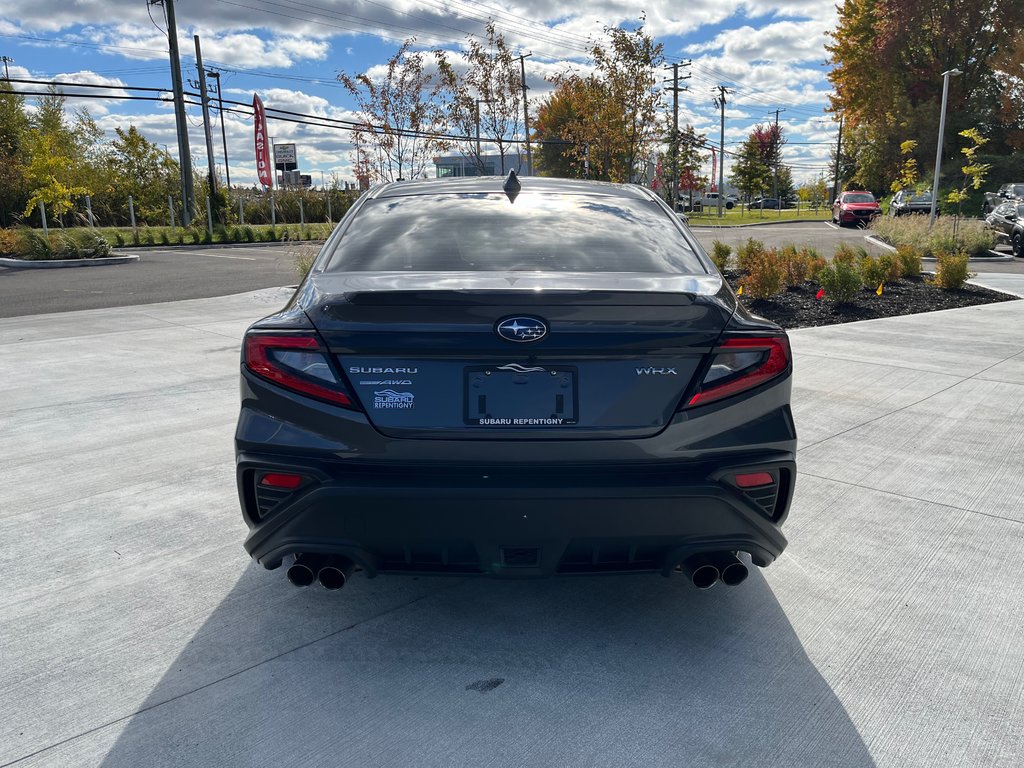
[726, 378]
[267, 356]
[754, 479]
[284, 480]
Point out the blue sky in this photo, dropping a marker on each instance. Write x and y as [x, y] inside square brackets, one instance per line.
[770, 54]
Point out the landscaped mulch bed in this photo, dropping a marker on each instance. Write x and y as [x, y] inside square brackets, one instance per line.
[799, 308]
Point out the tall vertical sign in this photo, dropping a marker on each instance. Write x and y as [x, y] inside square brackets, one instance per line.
[263, 167]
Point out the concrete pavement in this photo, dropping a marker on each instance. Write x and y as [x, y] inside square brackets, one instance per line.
[134, 630]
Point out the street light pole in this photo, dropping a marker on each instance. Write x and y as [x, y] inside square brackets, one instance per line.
[938, 150]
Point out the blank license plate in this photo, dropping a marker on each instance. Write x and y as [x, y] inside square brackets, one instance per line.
[520, 396]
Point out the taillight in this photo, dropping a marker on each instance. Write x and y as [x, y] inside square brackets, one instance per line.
[741, 364]
[295, 362]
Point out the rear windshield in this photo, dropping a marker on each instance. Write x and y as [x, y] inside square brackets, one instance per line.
[485, 232]
[1017, 190]
[859, 197]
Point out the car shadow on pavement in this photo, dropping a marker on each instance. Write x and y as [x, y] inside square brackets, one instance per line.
[586, 671]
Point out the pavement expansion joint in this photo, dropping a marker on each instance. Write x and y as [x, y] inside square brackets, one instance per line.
[909, 497]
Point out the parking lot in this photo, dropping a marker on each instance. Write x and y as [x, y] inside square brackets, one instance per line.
[135, 631]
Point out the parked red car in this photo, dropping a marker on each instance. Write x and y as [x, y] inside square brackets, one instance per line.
[854, 207]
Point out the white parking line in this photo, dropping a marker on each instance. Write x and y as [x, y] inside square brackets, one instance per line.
[830, 224]
[222, 256]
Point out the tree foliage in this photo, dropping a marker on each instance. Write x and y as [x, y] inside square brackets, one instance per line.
[402, 113]
[758, 165]
[484, 100]
[615, 108]
[889, 56]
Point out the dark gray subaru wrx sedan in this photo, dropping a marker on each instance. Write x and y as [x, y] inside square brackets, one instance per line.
[514, 377]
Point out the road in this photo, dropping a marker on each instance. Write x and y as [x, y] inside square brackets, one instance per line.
[160, 275]
[136, 632]
[175, 274]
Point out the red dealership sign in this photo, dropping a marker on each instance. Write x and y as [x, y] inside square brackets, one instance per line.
[263, 168]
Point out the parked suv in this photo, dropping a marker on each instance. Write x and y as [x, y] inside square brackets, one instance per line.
[1007, 220]
[855, 208]
[908, 201]
[1013, 191]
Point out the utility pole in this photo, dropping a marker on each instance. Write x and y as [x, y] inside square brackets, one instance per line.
[720, 103]
[224, 137]
[776, 153]
[526, 114]
[835, 172]
[6, 60]
[180, 122]
[205, 98]
[674, 149]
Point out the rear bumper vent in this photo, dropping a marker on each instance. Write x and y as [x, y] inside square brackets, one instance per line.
[268, 498]
[611, 557]
[457, 557]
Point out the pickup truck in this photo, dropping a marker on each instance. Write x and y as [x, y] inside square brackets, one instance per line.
[706, 200]
[1013, 191]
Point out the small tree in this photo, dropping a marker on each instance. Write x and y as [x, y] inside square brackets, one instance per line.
[485, 100]
[751, 175]
[974, 174]
[402, 114]
[616, 126]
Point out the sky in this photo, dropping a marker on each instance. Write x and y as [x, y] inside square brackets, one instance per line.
[769, 53]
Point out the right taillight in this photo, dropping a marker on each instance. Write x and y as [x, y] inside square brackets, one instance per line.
[741, 364]
[296, 362]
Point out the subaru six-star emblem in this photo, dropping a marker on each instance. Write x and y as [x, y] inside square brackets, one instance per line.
[522, 329]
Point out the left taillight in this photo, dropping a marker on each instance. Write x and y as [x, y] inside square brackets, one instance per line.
[296, 362]
[741, 364]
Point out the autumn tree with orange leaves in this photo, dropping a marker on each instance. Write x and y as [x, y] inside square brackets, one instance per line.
[889, 56]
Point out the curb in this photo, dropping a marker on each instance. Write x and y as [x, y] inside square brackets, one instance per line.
[694, 225]
[219, 246]
[996, 255]
[60, 263]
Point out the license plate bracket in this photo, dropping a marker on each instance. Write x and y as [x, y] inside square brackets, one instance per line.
[520, 396]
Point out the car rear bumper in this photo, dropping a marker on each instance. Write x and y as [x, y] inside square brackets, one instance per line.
[523, 522]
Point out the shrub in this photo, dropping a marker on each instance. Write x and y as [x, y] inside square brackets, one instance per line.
[118, 239]
[766, 275]
[890, 265]
[841, 281]
[94, 245]
[147, 236]
[951, 270]
[11, 243]
[35, 247]
[845, 254]
[250, 236]
[747, 250]
[909, 259]
[720, 253]
[798, 265]
[872, 271]
[164, 238]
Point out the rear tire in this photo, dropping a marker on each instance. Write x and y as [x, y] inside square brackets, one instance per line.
[1018, 245]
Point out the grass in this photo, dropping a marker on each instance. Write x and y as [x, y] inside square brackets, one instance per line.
[736, 216]
[914, 232]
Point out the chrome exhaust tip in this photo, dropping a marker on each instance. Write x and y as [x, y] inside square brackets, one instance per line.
[731, 569]
[300, 574]
[702, 573]
[335, 574]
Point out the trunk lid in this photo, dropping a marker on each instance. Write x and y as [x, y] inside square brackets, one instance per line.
[423, 357]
